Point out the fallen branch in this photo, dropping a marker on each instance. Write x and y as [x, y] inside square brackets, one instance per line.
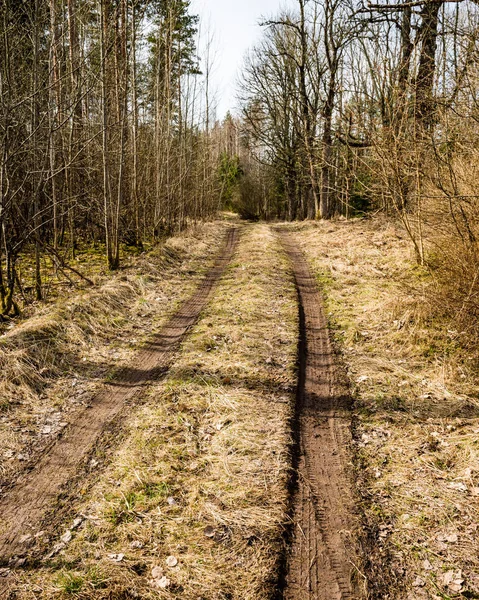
[64, 265]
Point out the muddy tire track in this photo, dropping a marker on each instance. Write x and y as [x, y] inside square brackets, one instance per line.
[37, 497]
[321, 557]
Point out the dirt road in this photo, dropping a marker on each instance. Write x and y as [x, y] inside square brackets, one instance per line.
[320, 563]
[38, 499]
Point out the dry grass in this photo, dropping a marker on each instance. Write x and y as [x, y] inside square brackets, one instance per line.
[202, 473]
[417, 418]
[53, 362]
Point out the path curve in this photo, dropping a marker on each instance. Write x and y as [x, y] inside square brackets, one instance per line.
[30, 505]
[321, 558]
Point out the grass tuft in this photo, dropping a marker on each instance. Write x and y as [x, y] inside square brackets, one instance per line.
[70, 583]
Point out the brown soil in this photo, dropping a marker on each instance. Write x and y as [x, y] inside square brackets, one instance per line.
[39, 495]
[321, 561]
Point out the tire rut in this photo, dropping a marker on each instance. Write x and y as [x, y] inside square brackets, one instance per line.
[34, 501]
[321, 557]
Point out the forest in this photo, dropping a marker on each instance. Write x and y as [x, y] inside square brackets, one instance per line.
[105, 132]
[351, 108]
[109, 133]
[238, 352]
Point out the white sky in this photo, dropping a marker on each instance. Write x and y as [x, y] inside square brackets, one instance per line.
[234, 25]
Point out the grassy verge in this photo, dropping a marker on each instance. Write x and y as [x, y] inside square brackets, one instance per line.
[416, 411]
[193, 505]
[53, 362]
[57, 281]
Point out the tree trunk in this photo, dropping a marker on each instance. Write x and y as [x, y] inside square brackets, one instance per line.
[37, 185]
[425, 106]
[107, 201]
[134, 134]
[325, 205]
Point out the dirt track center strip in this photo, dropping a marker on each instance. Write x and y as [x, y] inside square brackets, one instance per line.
[26, 509]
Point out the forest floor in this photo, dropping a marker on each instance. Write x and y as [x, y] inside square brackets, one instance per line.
[199, 427]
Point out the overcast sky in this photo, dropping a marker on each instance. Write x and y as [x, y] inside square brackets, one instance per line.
[234, 24]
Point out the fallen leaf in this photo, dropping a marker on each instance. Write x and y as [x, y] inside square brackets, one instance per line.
[441, 546]
[458, 485]
[209, 531]
[161, 583]
[448, 577]
[453, 580]
[157, 572]
[172, 561]
[419, 582]
[66, 537]
[116, 557]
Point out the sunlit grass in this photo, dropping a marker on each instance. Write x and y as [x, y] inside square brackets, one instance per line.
[203, 471]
